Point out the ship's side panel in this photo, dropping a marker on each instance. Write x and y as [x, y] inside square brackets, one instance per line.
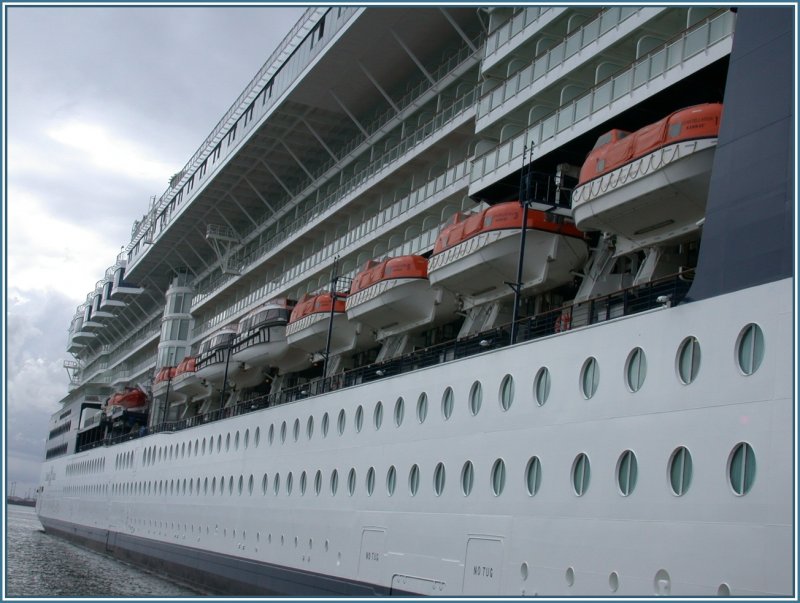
[748, 233]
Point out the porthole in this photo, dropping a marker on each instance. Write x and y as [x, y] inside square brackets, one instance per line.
[334, 482]
[370, 481]
[341, 421]
[310, 427]
[627, 469]
[742, 468]
[533, 475]
[506, 392]
[325, 425]
[422, 407]
[246, 438]
[399, 412]
[467, 478]
[351, 482]
[289, 482]
[317, 482]
[680, 471]
[283, 432]
[475, 398]
[227, 445]
[264, 483]
[541, 386]
[391, 480]
[688, 360]
[590, 377]
[303, 479]
[580, 474]
[498, 477]
[240, 485]
[236, 441]
[296, 430]
[413, 480]
[447, 403]
[438, 479]
[257, 437]
[359, 418]
[750, 349]
[271, 434]
[635, 369]
[276, 485]
[377, 415]
[230, 485]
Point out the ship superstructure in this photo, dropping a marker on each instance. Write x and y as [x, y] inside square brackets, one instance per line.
[442, 306]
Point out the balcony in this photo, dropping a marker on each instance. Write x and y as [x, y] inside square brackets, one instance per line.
[691, 51]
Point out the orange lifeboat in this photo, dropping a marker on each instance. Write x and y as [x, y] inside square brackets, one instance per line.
[308, 325]
[185, 380]
[130, 397]
[394, 296]
[651, 185]
[476, 254]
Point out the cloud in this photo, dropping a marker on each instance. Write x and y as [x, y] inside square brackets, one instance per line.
[48, 252]
[108, 150]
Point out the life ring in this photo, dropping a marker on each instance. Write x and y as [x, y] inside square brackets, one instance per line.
[563, 323]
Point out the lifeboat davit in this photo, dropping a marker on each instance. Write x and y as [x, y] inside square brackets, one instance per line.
[186, 382]
[130, 397]
[308, 325]
[477, 254]
[212, 358]
[394, 296]
[651, 185]
[261, 343]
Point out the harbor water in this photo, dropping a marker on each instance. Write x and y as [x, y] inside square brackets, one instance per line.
[42, 565]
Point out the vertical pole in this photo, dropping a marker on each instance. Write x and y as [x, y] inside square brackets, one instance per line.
[225, 379]
[334, 281]
[166, 398]
[523, 200]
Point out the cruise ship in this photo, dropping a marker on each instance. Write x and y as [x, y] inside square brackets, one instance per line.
[459, 300]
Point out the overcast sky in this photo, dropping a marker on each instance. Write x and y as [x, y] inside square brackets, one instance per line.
[103, 106]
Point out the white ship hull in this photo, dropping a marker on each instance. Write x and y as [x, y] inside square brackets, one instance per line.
[509, 544]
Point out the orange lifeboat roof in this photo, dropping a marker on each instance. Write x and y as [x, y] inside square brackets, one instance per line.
[187, 365]
[166, 373]
[499, 217]
[404, 266]
[315, 304]
[129, 399]
[617, 147]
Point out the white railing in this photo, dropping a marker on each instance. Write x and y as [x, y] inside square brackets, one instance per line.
[554, 57]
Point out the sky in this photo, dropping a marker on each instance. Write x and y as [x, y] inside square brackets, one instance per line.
[103, 105]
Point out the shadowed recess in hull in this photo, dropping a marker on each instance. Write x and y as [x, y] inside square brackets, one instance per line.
[747, 238]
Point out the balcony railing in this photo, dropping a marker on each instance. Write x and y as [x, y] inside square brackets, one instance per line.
[645, 70]
[554, 57]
